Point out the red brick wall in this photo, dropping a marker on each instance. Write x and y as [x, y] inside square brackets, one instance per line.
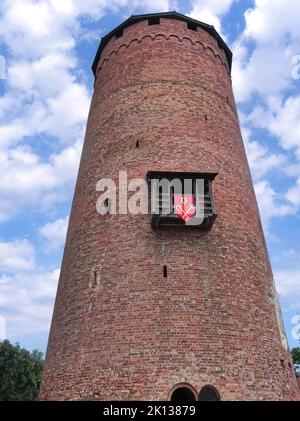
[121, 330]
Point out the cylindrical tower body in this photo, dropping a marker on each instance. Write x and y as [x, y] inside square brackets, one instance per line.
[141, 310]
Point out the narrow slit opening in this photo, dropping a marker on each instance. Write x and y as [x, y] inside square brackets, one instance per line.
[165, 271]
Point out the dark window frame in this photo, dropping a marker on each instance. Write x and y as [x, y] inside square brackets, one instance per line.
[161, 220]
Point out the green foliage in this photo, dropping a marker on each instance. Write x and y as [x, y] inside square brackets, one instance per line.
[20, 372]
[296, 358]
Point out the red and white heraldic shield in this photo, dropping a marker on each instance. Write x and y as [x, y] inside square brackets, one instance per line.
[184, 206]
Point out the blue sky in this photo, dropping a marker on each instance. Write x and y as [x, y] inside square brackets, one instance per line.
[47, 48]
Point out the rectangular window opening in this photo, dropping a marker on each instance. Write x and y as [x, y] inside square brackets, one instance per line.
[154, 20]
[192, 26]
[119, 33]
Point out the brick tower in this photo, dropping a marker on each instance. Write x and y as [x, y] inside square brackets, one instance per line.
[149, 307]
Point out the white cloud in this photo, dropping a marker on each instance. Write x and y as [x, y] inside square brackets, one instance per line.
[281, 119]
[34, 28]
[26, 181]
[291, 254]
[29, 76]
[26, 302]
[271, 204]
[54, 233]
[285, 123]
[261, 160]
[44, 99]
[271, 20]
[262, 65]
[288, 287]
[150, 5]
[55, 107]
[67, 112]
[266, 69]
[293, 194]
[8, 104]
[210, 11]
[16, 256]
[263, 60]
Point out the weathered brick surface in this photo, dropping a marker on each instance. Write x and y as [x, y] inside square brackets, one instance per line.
[120, 330]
